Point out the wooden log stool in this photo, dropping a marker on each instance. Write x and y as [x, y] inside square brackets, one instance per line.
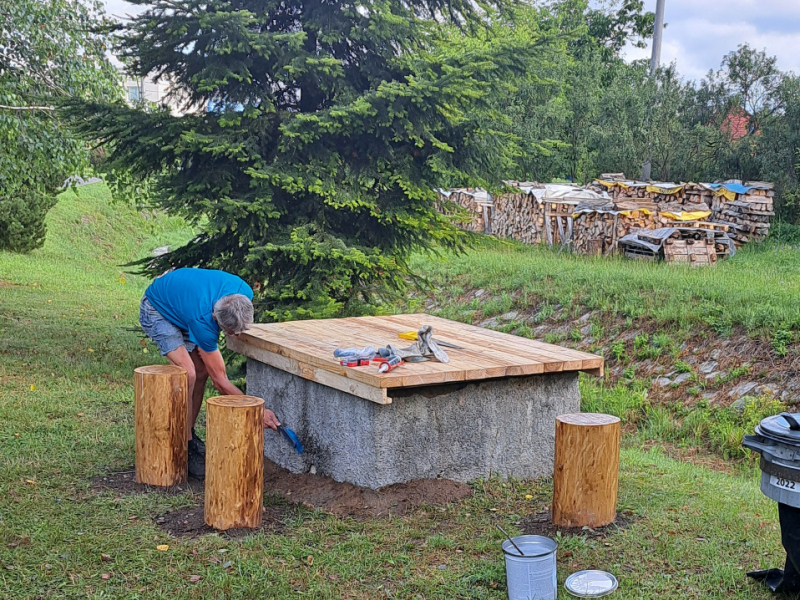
[234, 461]
[160, 424]
[586, 470]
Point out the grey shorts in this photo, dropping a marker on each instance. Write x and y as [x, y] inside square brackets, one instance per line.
[167, 336]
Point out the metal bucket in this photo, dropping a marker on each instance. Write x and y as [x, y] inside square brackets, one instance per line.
[533, 576]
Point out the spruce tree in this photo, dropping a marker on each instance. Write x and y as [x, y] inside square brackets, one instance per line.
[315, 135]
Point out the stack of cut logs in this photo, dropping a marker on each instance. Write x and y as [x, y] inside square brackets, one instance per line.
[747, 217]
[519, 216]
[598, 232]
[633, 205]
[477, 204]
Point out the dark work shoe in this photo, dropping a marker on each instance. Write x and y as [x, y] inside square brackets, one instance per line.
[200, 445]
[197, 462]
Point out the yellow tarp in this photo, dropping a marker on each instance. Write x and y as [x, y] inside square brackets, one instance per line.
[697, 215]
[627, 213]
[610, 184]
[664, 190]
[729, 195]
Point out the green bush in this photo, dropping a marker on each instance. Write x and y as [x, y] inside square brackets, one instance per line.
[22, 213]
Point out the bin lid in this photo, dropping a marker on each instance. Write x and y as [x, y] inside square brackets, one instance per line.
[591, 584]
[784, 427]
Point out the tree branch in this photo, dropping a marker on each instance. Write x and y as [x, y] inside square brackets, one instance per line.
[3, 106]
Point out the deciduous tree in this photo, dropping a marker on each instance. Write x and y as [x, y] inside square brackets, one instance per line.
[48, 51]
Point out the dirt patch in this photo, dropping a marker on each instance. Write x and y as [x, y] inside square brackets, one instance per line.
[190, 522]
[345, 499]
[124, 483]
[313, 492]
[7, 283]
[541, 523]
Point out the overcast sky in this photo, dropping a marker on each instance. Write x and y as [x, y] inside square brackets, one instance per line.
[699, 32]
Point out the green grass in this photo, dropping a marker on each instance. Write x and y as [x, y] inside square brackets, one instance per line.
[66, 360]
[756, 289]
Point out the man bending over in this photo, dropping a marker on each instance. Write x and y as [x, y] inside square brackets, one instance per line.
[183, 312]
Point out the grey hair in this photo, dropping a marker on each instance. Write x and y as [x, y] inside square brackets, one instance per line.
[234, 313]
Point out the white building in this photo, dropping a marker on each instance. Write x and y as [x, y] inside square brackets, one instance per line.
[145, 89]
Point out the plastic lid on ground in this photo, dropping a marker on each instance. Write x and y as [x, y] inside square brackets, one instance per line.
[591, 584]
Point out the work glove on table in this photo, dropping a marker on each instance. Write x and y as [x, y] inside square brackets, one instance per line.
[425, 346]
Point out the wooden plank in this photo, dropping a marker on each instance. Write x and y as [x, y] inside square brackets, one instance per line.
[322, 376]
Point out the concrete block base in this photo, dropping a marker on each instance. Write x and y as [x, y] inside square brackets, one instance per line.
[461, 431]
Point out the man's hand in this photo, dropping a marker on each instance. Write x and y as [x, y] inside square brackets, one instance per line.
[270, 420]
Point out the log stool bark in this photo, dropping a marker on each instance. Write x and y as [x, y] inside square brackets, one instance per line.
[586, 471]
[234, 461]
[160, 424]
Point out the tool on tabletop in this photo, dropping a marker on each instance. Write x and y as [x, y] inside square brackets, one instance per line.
[390, 363]
[414, 336]
[355, 357]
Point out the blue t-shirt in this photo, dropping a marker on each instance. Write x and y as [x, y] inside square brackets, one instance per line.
[186, 297]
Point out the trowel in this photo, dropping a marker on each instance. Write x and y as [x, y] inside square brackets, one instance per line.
[292, 437]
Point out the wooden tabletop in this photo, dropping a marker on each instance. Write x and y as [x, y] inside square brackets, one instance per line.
[305, 348]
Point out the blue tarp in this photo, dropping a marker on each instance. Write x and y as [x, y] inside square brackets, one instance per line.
[736, 188]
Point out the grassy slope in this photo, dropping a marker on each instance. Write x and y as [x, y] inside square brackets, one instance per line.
[758, 288]
[63, 314]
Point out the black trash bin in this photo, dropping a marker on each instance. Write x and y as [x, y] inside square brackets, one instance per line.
[777, 440]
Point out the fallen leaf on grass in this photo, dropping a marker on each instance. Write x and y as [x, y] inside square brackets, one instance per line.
[195, 579]
[528, 497]
[227, 565]
[132, 518]
[80, 414]
[105, 576]
[105, 557]
[31, 481]
[162, 547]
[310, 560]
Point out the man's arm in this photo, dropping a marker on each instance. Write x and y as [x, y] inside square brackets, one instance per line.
[215, 366]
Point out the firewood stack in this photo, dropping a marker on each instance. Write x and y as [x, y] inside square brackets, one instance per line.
[477, 203]
[519, 216]
[595, 226]
[598, 232]
[747, 217]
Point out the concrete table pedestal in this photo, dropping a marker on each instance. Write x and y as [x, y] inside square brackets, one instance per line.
[490, 411]
[459, 431]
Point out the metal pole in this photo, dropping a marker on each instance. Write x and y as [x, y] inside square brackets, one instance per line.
[655, 60]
